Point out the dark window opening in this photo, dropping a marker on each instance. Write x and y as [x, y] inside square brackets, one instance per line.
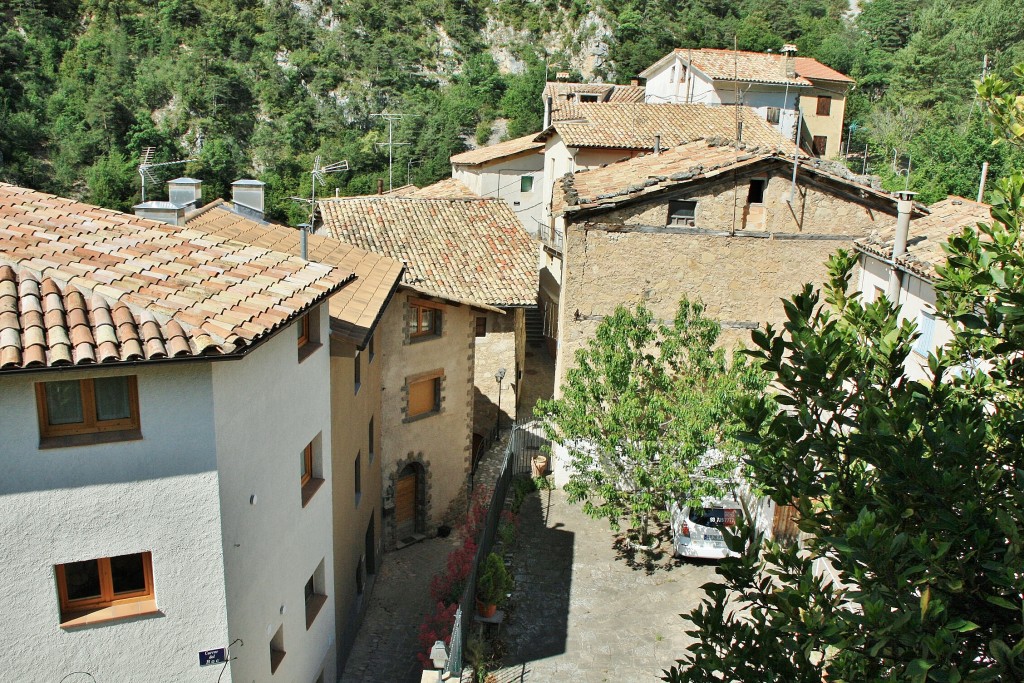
[756, 193]
[682, 213]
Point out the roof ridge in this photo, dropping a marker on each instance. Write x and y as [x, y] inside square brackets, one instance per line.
[194, 213]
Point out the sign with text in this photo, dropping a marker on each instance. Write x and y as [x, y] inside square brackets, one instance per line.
[210, 657]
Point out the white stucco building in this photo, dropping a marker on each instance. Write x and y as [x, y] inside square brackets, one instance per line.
[906, 278]
[165, 412]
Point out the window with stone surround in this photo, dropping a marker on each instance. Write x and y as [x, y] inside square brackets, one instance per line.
[425, 318]
[68, 409]
[424, 394]
[106, 588]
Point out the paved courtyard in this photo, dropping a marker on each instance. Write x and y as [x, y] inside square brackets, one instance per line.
[582, 612]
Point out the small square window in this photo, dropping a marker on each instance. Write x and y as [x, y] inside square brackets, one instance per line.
[88, 406]
[682, 213]
[481, 326]
[87, 589]
[824, 105]
[302, 328]
[314, 594]
[772, 115]
[755, 195]
[277, 649]
[307, 329]
[819, 144]
[526, 184]
[310, 470]
[424, 396]
[424, 320]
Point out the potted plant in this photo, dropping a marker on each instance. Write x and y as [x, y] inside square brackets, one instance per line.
[492, 584]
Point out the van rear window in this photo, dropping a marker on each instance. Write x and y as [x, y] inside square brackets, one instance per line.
[714, 517]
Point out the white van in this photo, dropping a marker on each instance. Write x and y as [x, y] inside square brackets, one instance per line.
[697, 531]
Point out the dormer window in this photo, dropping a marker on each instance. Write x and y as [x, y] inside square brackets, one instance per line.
[588, 98]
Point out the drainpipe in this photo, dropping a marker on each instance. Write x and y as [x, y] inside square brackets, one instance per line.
[904, 205]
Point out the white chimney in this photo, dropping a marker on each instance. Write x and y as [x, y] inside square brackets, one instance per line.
[657, 144]
[788, 60]
[548, 104]
[904, 207]
[185, 192]
[247, 198]
[166, 212]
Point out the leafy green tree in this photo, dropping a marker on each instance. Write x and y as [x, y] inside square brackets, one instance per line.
[910, 493]
[640, 410]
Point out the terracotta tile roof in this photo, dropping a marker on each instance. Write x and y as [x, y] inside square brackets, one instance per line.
[649, 173]
[449, 188]
[633, 126]
[565, 96]
[752, 67]
[467, 250]
[927, 235]
[94, 285]
[502, 150]
[356, 308]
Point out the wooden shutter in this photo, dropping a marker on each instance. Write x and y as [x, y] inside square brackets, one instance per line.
[422, 397]
[824, 105]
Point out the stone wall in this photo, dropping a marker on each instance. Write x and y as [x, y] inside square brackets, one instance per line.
[440, 441]
[741, 278]
[495, 350]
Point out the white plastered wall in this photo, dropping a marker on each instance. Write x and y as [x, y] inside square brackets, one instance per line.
[502, 179]
[157, 494]
[267, 408]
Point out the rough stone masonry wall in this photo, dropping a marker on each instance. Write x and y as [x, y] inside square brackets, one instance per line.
[741, 279]
[496, 350]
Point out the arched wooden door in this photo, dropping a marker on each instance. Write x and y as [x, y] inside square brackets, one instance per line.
[405, 502]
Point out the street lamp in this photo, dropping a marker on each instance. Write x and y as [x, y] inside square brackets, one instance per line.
[499, 376]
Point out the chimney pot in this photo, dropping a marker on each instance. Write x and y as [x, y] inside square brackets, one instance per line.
[904, 207]
[380, 186]
[657, 144]
[789, 60]
[185, 192]
[634, 82]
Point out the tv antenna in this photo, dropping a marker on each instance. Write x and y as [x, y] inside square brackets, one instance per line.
[318, 174]
[146, 167]
[390, 144]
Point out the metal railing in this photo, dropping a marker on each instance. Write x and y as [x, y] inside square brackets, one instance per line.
[522, 442]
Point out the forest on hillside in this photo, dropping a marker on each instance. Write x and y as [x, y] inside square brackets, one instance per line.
[258, 88]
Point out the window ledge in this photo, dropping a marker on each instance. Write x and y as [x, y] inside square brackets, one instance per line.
[310, 489]
[89, 439]
[307, 349]
[421, 416]
[423, 338]
[313, 607]
[276, 657]
[125, 610]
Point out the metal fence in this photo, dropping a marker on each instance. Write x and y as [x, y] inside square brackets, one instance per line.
[524, 442]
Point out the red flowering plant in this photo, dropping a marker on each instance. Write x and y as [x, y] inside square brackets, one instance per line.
[437, 626]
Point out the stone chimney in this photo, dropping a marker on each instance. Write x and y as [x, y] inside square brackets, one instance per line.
[166, 212]
[185, 192]
[788, 60]
[904, 207]
[247, 198]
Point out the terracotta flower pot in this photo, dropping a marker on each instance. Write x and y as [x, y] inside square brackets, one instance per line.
[485, 610]
[540, 465]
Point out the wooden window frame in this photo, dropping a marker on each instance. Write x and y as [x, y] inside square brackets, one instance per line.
[824, 105]
[773, 115]
[436, 377]
[90, 424]
[523, 182]
[307, 459]
[70, 609]
[303, 324]
[418, 311]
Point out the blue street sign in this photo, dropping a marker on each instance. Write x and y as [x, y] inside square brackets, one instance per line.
[210, 657]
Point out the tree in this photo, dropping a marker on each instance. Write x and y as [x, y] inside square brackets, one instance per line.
[912, 493]
[644, 404]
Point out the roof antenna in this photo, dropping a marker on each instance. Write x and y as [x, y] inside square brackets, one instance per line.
[318, 174]
[146, 165]
[390, 144]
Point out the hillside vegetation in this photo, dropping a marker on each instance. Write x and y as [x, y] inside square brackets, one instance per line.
[258, 88]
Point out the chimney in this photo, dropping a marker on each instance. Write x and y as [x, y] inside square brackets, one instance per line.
[380, 186]
[548, 104]
[634, 82]
[788, 60]
[247, 198]
[562, 76]
[904, 206]
[165, 212]
[657, 145]
[185, 192]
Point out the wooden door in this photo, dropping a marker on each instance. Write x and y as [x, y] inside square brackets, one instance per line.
[784, 526]
[405, 505]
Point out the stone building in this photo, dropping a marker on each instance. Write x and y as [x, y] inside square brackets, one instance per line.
[470, 275]
[717, 221]
[164, 406]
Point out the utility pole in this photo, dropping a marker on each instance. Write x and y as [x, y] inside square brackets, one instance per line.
[390, 144]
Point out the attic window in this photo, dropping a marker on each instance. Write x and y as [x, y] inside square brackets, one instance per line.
[772, 115]
[588, 98]
[682, 213]
[755, 195]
